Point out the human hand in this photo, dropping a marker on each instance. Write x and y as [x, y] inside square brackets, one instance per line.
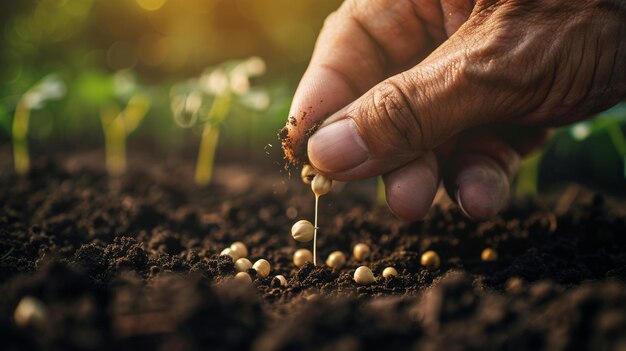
[424, 90]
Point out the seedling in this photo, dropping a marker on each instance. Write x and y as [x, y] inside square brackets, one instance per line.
[117, 125]
[207, 100]
[301, 257]
[361, 251]
[389, 272]
[336, 260]
[364, 276]
[50, 88]
[430, 259]
[320, 186]
[262, 268]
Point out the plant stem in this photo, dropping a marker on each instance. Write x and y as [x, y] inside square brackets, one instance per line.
[206, 155]
[19, 131]
[381, 199]
[317, 199]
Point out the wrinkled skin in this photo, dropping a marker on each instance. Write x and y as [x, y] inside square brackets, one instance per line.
[421, 91]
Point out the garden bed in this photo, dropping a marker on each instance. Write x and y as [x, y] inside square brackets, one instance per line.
[134, 263]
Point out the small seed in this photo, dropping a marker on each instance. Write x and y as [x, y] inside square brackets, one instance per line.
[489, 255]
[302, 256]
[430, 259]
[262, 268]
[229, 252]
[30, 311]
[361, 251]
[321, 185]
[240, 248]
[242, 265]
[364, 276]
[243, 277]
[303, 231]
[336, 260]
[307, 173]
[389, 271]
[514, 285]
[282, 280]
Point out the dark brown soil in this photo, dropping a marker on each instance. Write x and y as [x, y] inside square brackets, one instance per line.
[133, 264]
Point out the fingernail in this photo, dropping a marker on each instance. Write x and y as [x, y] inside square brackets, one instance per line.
[337, 147]
[460, 203]
[479, 193]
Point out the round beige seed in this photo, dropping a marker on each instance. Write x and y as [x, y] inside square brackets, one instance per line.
[303, 231]
[30, 311]
[240, 248]
[361, 251]
[364, 276]
[243, 277]
[336, 260]
[302, 256]
[321, 185]
[489, 255]
[307, 173]
[230, 252]
[262, 268]
[282, 280]
[389, 271]
[242, 265]
[430, 259]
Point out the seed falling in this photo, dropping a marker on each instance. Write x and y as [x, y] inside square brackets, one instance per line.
[307, 173]
[430, 259]
[361, 251]
[282, 280]
[302, 256]
[364, 276]
[489, 255]
[321, 185]
[303, 231]
[336, 260]
[262, 268]
[230, 252]
[30, 311]
[389, 271]
[240, 248]
[242, 265]
[243, 277]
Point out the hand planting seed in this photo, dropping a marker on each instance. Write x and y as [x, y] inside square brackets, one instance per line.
[230, 252]
[364, 276]
[336, 260]
[262, 268]
[361, 251]
[240, 248]
[489, 255]
[242, 265]
[307, 173]
[282, 280]
[303, 231]
[389, 271]
[430, 259]
[302, 256]
[243, 277]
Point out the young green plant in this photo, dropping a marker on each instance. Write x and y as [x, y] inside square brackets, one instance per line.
[50, 88]
[207, 101]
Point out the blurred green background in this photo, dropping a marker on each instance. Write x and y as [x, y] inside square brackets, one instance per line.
[100, 50]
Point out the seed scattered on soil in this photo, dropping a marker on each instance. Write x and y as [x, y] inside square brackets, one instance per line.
[282, 280]
[364, 276]
[303, 231]
[242, 265]
[302, 256]
[30, 311]
[240, 248]
[489, 255]
[262, 268]
[321, 185]
[514, 285]
[230, 252]
[307, 173]
[336, 260]
[243, 277]
[361, 251]
[430, 259]
[389, 271]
